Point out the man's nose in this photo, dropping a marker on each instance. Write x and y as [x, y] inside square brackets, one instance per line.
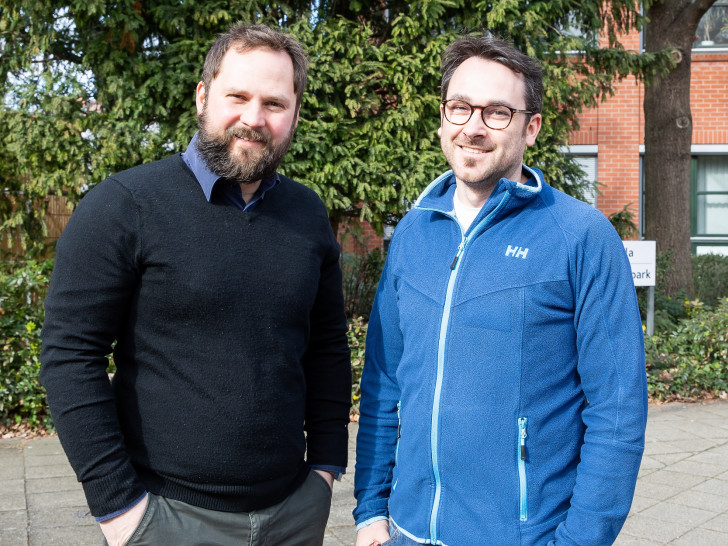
[252, 114]
[476, 125]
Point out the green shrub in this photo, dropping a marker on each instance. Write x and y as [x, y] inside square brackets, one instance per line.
[357, 336]
[623, 222]
[361, 274]
[669, 310]
[710, 278]
[23, 285]
[692, 360]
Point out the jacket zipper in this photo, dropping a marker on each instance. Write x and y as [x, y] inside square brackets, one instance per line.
[396, 448]
[523, 509]
[434, 432]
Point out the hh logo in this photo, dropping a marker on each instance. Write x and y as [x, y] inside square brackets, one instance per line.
[516, 252]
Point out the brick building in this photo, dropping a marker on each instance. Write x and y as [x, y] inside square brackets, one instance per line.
[610, 142]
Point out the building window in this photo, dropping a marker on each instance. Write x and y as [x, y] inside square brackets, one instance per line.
[588, 164]
[712, 30]
[709, 204]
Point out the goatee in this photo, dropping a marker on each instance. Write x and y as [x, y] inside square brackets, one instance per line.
[241, 166]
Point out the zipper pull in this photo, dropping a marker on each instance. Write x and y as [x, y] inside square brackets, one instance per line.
[460, 251]
[522, 423]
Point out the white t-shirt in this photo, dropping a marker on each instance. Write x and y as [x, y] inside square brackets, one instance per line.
[464, 213]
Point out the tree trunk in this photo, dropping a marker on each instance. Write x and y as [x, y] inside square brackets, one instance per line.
[668, 136]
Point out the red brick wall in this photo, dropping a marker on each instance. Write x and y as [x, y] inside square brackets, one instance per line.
[617, 127]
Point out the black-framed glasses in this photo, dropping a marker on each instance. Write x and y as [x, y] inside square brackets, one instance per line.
[495, 116]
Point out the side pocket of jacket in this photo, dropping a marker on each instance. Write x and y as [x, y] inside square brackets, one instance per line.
[521, 457]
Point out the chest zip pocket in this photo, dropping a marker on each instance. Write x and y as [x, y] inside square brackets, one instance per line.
[523, 486]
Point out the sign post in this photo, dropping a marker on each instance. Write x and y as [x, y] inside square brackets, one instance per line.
[643, 259]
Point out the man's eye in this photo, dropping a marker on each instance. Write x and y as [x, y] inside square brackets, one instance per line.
[459, 108]
[498, 112]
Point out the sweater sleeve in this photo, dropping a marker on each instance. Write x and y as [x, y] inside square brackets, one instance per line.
[611, 365]
[95, 274]
[327, 368]
[380, 394]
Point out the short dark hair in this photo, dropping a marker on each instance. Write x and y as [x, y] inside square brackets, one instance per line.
[487, 46]
[243, 38]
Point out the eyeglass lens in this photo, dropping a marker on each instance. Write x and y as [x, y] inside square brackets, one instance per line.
[494, 116]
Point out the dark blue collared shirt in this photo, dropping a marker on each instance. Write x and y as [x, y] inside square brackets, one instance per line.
[214, 185]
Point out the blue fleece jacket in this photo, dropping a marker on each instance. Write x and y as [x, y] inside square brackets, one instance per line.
[504, 394]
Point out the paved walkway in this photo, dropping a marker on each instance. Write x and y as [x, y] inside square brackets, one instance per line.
[681, 498]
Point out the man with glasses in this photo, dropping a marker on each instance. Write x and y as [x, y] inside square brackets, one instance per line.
[504, 394]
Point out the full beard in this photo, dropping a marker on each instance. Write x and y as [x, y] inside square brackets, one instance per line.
[241, 166]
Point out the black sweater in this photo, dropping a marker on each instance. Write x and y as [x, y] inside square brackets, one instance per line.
[230, 334]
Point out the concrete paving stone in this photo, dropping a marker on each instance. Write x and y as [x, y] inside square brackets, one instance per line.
[11, 470]
[660, 448]
[331, 540]
[13, 520]
[56, 499]
[640, 503]
[718, 523]
[44, 446]
[679, 513]
[13, 538]
[67, 536]
[648, 528]
[707, 430]
[670, 458]
[714, 487]
[626, 540]
[722, 476]
[340, 518]
[12, 501]
[702, 500]
[345, 536]
[675, 479]
[668, 430]
[45, 460]
[12, 486]
[658, 491]
[61, 517]
[650, 463]
[700, 537]
[697, 468]
[52, 471]
[695, 445]
[64, 483]
[712, 457]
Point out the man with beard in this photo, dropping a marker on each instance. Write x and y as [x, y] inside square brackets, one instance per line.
[503, 397]
[216, 281]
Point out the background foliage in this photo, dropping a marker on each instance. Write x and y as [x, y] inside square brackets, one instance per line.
[690, 361]
[93, 87]
[23, 286]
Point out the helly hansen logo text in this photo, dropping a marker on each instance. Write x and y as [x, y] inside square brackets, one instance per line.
[516, 252]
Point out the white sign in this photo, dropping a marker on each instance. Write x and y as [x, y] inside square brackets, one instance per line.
[642, 258]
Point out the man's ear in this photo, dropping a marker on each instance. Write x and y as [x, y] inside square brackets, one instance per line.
[442, 118]
[200, 97]
[532, 129]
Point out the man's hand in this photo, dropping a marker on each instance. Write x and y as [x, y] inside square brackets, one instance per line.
[328, 476]
[118, 530]
[374, 534]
